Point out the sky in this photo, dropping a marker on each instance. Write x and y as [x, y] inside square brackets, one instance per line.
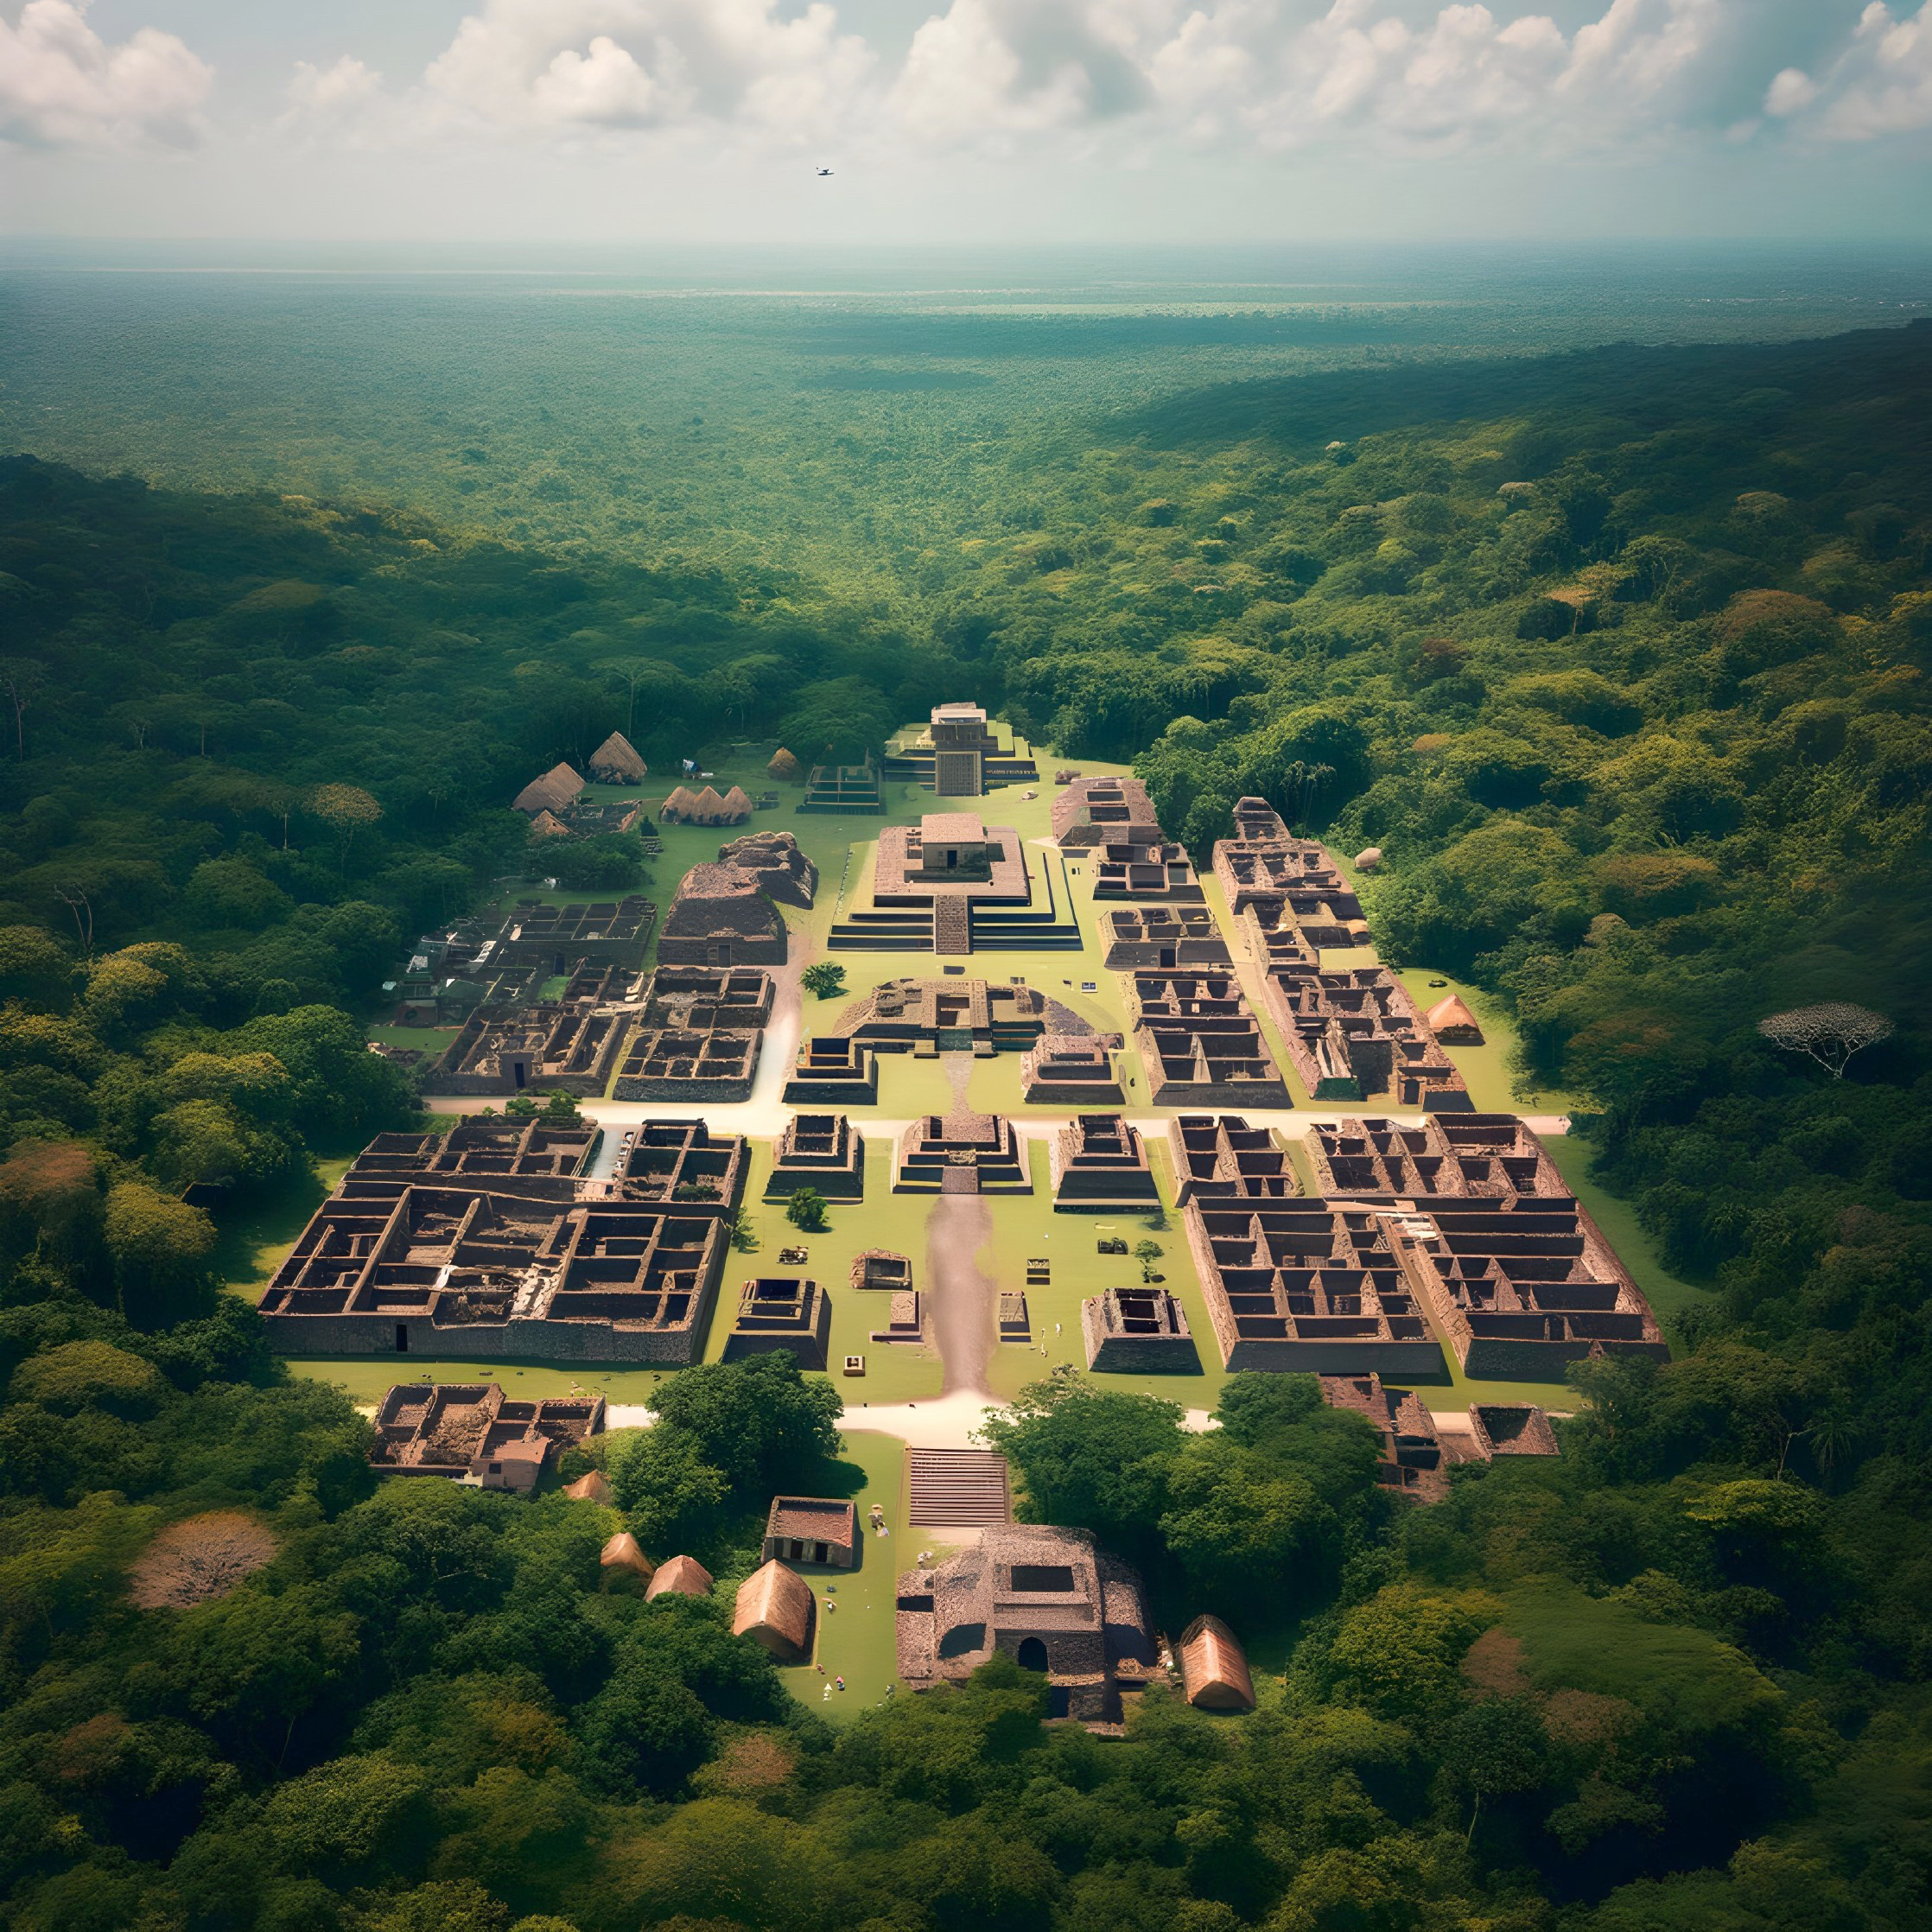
[1032, 122]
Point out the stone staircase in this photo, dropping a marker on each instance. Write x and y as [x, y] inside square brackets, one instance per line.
[962, 1487]
[952, 923]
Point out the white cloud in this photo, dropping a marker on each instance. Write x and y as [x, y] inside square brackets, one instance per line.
[1390, 77]
[62, 85]
[560, 64]
[1882, 84]
[1791, 91]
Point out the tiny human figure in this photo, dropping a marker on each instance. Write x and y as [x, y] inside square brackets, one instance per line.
[841, 1683]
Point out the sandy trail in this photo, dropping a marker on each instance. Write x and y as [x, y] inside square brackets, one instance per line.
[963, 1300]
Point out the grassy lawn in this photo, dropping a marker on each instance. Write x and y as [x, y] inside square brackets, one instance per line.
[251, 1242]
[858, 1640]
[1668, 1292]
[895, 1371]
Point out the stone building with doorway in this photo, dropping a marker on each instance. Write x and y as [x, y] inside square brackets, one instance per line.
[1049, 1598]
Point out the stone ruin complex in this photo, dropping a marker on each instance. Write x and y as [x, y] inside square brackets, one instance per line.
[1099, 1165]
[721, 916]
[1221, 1158]
[531, 1158]
[1411, 1462]
[964, 1153]
[564, 1046]
[683, 1164]
[1308, 1285]
[1416, 1456]
[1164, 938]
[781, 1312]
[925, 1017]
[1520, 1279]
[825, 1152]
[699, 1036]
[1161, 874]
[831, 1069]
[471, 1431]
[498, 1260]
[840, 789]
[1047, 1598]
[954, 884]
[1138, 1332]
[1355, 1034]
[1201, 1044]
[1441, 1157]
[775, 863]
[1104, 812]
[812, 1529]
[1071, 1071]
[959, 756]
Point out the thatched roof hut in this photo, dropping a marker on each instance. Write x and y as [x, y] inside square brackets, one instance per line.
[708, 808]
[1451, 1020]
[616, 761]
[775, 1608]
[623, 1556]
[681, 806]
[684, 1575]
[546, 824]
[736, 805]
[1213, 1670]
[594, 1488]
[784, 765]
[558, 788]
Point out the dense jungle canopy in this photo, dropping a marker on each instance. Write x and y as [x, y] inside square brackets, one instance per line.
[1618, 655]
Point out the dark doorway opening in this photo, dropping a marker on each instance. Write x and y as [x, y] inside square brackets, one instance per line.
[1032, 1655]
[402, 1337]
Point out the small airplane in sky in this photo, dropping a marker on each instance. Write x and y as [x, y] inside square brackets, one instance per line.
[823, 172]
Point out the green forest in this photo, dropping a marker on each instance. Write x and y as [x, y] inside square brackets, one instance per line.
[1619, 655]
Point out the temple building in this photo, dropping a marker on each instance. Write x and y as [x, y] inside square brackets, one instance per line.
[1047, 1598]
[959, 756]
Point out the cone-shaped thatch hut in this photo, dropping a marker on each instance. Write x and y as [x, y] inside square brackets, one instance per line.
[1213, 1670]
[683, 1575]
[558, 788]
[682, 806]
[616, 761]
[594, 1488]
[708, 808]
[623, 1557]
[775, 1608]
[737, 806]
[546, 824]
[1450, 1019]
[784, 765]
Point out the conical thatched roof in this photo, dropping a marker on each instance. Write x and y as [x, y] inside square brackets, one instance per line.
[708, 807]
[1451, 1020]
[784, 765]
[623, 1554]
[1213, 1670]
[683, 1575]
[592, 1488]
[616, 761]
[546, 824]
[737, 805]
[775, 1608]
[683, 804]
[556, 788]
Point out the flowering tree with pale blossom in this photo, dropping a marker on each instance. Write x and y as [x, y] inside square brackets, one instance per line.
[1829, 1033]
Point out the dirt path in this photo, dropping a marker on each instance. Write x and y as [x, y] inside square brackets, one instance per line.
[963, 1300]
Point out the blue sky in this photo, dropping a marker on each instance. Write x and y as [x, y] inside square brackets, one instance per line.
[968, 120]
